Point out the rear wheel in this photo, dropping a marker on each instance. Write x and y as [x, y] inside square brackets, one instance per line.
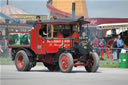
[22, 61]
[93, 62]
[66, 62]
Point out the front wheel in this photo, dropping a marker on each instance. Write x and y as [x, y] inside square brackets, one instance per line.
[66, 62]
[93, 62]
[22, 61]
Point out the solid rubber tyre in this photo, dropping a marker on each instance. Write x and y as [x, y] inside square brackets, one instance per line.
[22, 61]
[66, 62]
[93, 62]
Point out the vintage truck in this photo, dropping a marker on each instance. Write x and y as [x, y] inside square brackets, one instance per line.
[65, 45]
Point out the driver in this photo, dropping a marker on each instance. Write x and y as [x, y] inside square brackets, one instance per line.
[43, 31]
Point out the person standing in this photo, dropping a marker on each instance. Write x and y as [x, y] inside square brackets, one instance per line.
[37, 21]
[102, 50]
[114, 49]
[96, 44]
[119, 45]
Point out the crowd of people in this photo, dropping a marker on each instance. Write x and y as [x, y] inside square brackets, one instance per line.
[100, 47]
[3, 47]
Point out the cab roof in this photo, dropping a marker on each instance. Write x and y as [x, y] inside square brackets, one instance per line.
[62, 21]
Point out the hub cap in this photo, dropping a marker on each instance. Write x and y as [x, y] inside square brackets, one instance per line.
[64, 62]
[20, 61]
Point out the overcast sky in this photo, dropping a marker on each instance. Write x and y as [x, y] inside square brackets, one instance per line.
[96, 8]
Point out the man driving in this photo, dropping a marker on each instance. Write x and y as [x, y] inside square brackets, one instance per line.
[43, 31]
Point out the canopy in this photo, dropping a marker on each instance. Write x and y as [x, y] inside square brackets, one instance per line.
[112, 25]
[9, 10]
[62, 21]
[120, 27]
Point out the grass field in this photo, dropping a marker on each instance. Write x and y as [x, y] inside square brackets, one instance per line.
[5, 60]
[105, 63]
[109, 62]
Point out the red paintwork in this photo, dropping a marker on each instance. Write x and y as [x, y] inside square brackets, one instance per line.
[98, 21]
[52, 45]
[47, 59]
[59, 35]
[64, 62]
[41, 46]
[78, 64]
[79, 60]
[36, 39]
[20, 61]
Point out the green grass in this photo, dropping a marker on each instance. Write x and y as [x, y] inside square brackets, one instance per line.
[5, 60]
[109, 62]
[105, 63]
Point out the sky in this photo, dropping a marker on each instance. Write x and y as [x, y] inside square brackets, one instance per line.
[96, 8]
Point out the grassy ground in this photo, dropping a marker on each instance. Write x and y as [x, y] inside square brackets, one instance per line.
[5, 60]
[109, 62]
[105, 63]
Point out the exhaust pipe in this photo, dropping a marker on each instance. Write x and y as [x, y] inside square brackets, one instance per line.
[73, 10]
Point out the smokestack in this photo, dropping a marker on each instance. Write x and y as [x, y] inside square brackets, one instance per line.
[73, 10]
[7, 2]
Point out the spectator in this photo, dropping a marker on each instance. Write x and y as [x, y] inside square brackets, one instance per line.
[119, 45]
[104, 44]
[102, 50]
[1, 50]
[114, 49]
[96, 44]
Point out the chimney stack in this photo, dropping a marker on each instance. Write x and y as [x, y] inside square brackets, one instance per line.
[73, 10]
[7, 2]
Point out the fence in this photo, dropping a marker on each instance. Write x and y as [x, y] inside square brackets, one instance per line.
[110, 53]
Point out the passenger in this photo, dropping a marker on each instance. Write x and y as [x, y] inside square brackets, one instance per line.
[53, 18]
[43, 31]
[37, 21]
[59, 35]
[75, 34]
[67, 31]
